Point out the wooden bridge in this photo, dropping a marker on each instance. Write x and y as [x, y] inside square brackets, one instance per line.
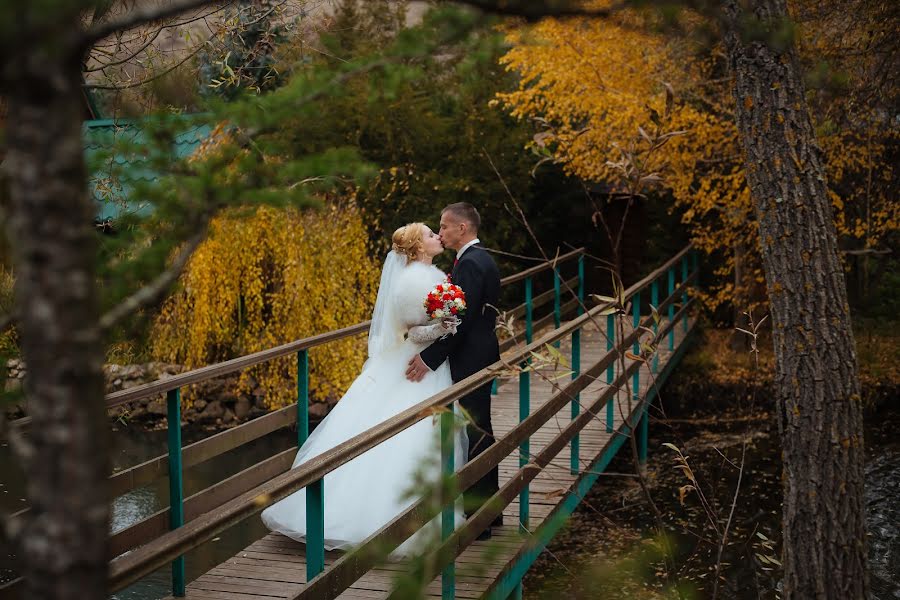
[559, 416]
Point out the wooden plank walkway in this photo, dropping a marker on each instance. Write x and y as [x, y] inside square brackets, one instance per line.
[274, 567]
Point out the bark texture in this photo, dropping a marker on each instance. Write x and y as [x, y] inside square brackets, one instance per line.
[50, 222]
[816, 379]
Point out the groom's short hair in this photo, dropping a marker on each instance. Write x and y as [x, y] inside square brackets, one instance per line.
[464, 212]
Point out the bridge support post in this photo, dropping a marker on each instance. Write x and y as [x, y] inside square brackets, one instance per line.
[315, 492]
[557, 304]
[525, 406]
[448, 499]
[302, 397]
[684, 295]
[671, 290]
[636, 348]
[654, 300]
[176, 490]
[576, 368]
[610, 370]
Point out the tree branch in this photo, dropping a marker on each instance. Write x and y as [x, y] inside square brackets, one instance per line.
[155, 291]
[533, 11]
[93, 86]
[140, 16]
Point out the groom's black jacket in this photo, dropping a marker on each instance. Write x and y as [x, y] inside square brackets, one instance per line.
[475, 345]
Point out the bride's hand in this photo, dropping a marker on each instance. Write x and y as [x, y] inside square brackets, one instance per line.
[448, 322]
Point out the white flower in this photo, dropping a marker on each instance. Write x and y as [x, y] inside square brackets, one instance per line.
[439, 313]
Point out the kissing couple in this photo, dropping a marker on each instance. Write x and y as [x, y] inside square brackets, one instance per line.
[411, 357]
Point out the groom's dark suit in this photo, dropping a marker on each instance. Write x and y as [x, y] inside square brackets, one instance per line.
[473, 348]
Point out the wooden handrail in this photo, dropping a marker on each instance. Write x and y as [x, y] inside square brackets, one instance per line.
[545, 266]
[157, 553]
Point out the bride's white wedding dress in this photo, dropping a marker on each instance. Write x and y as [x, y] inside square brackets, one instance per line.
[369, 491]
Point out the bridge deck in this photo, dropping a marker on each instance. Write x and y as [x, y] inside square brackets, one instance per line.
[274, 566]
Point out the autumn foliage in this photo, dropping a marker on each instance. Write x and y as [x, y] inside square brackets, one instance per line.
[594, 87]
[270, 276]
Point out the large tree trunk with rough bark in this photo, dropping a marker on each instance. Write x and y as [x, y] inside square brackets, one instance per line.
[816, 379]
[63, 541]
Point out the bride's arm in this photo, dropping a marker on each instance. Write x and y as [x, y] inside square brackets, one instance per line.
[421, 334]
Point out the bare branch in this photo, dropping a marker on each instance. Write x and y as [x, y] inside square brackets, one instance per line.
[533, 11]
[128, 58]
[148, 79]
[156, 290]
[142, 15]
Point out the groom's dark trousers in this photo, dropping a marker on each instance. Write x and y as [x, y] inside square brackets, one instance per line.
[473, 348]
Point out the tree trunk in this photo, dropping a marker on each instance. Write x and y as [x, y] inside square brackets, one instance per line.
[816, 379]
[49, 220]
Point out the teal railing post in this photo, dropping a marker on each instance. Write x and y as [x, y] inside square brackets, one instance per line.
[557, 306]
[176, 490]
[671, 288]
[636, 384]
[315, 492]
[448, 575]
[611, 369]
[654, 300]
[684, 296]
[302, 397]
[695, 264]
[576, 365]
[525, 406]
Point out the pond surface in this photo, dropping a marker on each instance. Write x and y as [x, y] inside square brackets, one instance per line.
[131, 446]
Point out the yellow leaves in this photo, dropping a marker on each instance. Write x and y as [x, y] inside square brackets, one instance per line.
[266, 277]
[590, 83]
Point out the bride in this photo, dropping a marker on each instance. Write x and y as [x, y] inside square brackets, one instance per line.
[366, 493]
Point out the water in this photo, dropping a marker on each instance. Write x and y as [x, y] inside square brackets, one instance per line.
[131, 446]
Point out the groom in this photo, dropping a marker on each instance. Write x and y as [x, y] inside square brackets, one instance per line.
[475, 345]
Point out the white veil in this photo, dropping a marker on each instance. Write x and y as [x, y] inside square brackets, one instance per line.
[387, 327]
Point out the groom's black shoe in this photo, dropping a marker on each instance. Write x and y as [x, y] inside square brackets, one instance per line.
[484, 535]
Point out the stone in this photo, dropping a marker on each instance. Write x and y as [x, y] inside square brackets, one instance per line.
[214, 410]
[228, 417]
[13, 385]
[200, 404]
[318, 410]
[242, 407]
[156, 407]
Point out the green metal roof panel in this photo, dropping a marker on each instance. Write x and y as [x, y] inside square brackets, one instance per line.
[113, 180]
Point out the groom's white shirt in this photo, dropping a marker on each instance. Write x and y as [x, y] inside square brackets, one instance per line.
[459, 252]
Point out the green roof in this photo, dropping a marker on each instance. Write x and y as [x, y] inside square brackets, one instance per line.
[112, 184]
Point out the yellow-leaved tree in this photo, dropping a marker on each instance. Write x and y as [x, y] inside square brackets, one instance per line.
[267, 277]
[596, 86]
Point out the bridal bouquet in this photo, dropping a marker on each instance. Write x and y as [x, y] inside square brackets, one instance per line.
[446, 301]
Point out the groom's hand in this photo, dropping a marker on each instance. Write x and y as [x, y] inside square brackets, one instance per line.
[417, 369]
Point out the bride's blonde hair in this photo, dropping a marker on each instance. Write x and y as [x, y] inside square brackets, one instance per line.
[407, 240]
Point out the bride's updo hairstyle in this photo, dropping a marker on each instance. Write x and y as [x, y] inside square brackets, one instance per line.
[408, 241]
